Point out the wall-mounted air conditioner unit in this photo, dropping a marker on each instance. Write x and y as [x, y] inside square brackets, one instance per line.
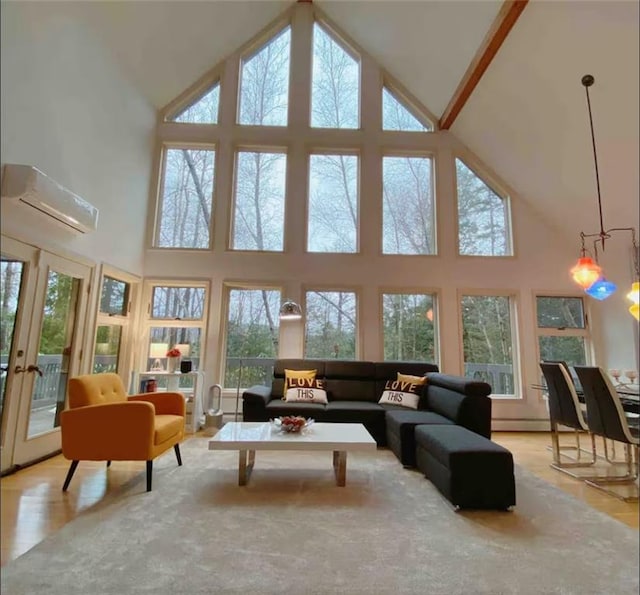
[26, 186]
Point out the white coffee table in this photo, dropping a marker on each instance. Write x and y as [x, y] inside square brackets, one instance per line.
[247, 437]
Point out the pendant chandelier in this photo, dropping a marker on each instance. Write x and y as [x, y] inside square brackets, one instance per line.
[587, 273]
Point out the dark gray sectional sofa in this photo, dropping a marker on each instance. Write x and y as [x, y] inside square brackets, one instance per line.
[354, 388]
[447, 438]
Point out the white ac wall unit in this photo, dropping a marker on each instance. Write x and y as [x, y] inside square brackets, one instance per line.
[26, 186]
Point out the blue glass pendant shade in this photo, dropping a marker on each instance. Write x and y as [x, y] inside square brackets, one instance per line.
[601, 289]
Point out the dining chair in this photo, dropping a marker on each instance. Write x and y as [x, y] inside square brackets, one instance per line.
[606, 418]
[565, 410]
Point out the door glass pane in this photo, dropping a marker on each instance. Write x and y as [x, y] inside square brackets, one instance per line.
[107, 349]
[54, 352]
[10, 281]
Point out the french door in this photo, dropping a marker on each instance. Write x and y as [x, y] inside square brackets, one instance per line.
[43, 305]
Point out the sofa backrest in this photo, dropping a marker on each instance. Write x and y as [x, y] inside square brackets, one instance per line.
[350, 380]
[462, 399]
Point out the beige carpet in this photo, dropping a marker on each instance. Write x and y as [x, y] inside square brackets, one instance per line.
[292, 530]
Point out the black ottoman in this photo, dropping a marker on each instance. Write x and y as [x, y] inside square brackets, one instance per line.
[400, 427]
[468, 469]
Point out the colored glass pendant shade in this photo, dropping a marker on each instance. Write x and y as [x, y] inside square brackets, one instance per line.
[601, 289]
[634, 310]
[586, 272]
[634, 294]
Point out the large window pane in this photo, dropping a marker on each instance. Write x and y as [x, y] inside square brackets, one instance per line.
[258, 220]
[264, 83]
[407, 206]
[333, 203]
[569, 349]
[488, 341]
[330, 324]
[177, 303]
[185, 213]
[409, 327]
[483, 220]
[252, 336]
[335, 84]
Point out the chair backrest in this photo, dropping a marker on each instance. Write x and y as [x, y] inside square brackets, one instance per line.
[564, 405]
[605, 415]
[95, 389]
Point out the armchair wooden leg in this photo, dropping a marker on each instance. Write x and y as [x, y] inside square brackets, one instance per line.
[176, 447]
[149, 474]
[108, 463]
[72, 470]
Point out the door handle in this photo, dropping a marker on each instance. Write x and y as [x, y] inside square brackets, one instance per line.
[29, 368]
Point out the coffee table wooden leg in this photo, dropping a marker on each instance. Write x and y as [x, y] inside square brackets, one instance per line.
[340, 466]
[246, 459]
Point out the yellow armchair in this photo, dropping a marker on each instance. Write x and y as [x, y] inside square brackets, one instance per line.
[103, 424]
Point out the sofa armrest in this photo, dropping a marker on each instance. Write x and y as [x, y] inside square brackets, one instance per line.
[258, 395]
[165, 403]
[110, 431]
[462, 400]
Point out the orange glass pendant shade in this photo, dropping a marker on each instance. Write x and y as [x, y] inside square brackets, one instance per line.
[586, 272]
[635, 311]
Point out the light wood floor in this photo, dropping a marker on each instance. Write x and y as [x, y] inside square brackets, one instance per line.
[34, 507]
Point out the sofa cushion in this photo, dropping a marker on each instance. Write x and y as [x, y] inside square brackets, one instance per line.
[166, 426]
[353, 411]
[278, 407]
[401, 425]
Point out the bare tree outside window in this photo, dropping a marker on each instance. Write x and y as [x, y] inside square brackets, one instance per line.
[333, 204]
[562, 329]
[258, 220]
[483, 225]
[264, 83]
[202, 111]
[408, 322]
[187, 196]
[488, 341]
[330, 324]
[407, 206]
[396, 116]
[177, 303]
[335, 84]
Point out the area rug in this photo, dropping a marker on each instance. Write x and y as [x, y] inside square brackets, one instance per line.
[292, 530]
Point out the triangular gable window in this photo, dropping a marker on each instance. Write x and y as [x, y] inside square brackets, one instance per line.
[203, 110]
[396, 116]
[335, 87]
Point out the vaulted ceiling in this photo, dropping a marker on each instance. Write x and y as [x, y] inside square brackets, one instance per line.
[527, 118]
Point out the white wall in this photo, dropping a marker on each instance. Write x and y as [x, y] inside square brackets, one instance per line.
[67, 110]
